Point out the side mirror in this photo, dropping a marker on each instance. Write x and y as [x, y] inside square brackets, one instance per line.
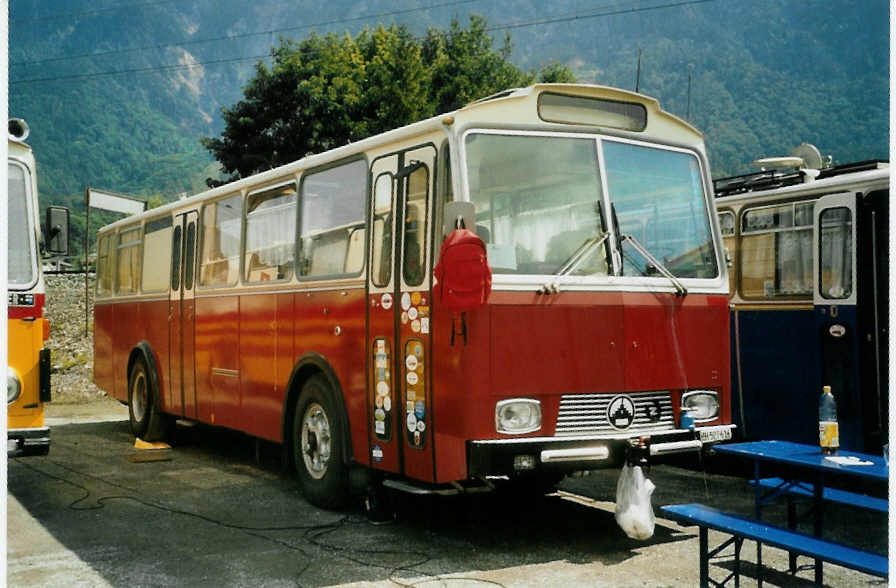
[57, 230]
[455, 210]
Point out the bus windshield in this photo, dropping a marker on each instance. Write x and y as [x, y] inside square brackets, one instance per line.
[657, 195]
[22, 256]
[539, 205]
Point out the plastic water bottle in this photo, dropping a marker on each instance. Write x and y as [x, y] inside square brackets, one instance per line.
[828, 429]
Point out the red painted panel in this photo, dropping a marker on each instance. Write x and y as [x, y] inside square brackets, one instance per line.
[188, 357]
[460, 385]
[676, 342]
[317, 316]
[284, 362]
[261, 404]
[128, 332]
[153, 328]
[174, 366]
[556, 344]
[103, 357]
[522, 344]
[34, 311]
[217, 347]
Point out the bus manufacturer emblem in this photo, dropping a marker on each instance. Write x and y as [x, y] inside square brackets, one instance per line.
[837, 331]
[621, 412]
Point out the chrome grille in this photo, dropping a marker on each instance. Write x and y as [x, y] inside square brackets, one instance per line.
[586, 414]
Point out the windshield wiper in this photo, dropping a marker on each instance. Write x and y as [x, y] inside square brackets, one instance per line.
[680, 290]
[579, 254]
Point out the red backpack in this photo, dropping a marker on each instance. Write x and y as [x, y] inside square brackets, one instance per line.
[463, 277]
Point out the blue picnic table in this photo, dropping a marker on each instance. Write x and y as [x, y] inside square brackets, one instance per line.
[801, 471]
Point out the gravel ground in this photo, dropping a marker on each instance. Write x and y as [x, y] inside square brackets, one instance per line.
[71, 349]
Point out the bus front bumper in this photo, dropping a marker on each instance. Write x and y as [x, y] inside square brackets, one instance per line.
[22, 442]
[506, 457]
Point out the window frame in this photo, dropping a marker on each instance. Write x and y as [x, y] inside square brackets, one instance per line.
[166, 281]
[244, 239]
[111, 261]
[200, 227]
[615, 281]
[850, 254]
[30, 212]
[365, 219]
[741, 234]
[135, 228]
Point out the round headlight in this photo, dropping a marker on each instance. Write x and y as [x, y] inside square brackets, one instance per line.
[13, 385]
[702, 404]
[518, 416]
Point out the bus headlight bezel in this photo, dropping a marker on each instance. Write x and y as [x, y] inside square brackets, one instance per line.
[13, 385]
[518, 416]
[702, 404]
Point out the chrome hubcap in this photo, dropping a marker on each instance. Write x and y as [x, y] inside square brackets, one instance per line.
[316, 440]
[138, 398]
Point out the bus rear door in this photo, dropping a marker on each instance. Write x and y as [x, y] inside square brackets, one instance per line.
[398, 336]
[182, 315]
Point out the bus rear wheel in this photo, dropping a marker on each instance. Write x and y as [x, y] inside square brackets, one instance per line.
[317, 444]
[144, 407]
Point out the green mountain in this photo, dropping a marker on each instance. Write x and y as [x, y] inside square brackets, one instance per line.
[118, 92]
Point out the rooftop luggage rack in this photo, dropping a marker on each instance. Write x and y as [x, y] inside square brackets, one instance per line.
[776, 178]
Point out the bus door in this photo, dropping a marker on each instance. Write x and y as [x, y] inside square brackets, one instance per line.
[399, 397]
[835, 296]
[182, 317]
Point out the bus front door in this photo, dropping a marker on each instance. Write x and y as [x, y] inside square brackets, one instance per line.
[181, 312]
[399, 348]
[835, 297]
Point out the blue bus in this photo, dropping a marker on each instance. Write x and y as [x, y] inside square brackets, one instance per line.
[809, 269]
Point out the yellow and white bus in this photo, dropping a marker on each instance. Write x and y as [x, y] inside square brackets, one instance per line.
[28, 362]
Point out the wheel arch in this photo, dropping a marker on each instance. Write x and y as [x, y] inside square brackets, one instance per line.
[144, 351]
[306, 366]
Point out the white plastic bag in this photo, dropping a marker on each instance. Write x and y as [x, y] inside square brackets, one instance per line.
[634, 513]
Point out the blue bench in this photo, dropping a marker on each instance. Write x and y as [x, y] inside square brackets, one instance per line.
[741, 528]
[829, 494]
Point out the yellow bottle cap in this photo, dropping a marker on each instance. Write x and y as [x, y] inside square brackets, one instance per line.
[827, 388]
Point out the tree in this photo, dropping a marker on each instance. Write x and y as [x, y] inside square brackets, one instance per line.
[324, 92]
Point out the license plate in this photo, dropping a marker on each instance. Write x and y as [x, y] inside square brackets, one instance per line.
[715, 435]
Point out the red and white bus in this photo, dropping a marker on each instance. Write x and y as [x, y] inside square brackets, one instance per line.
[297, 305]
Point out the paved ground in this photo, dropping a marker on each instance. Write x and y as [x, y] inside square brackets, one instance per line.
[213, 515]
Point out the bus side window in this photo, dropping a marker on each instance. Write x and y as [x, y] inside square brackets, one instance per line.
[775, 251]
[189, 256]
[175, 264]
[835, 255]
[271, 234]
[381, 260]
[414, 262]
[103, 267]
[332, 209]
[729, 240]
[221, 227]
[128, 275]
[156, 254]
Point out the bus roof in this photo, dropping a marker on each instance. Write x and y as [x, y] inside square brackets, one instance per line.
[516, 105]
[877, 176]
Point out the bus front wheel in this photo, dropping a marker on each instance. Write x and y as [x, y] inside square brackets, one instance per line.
[317, 446]
[144, 408]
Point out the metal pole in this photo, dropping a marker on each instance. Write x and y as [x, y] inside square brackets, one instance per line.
[688, 117]
[638, 75]
[86, 261]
